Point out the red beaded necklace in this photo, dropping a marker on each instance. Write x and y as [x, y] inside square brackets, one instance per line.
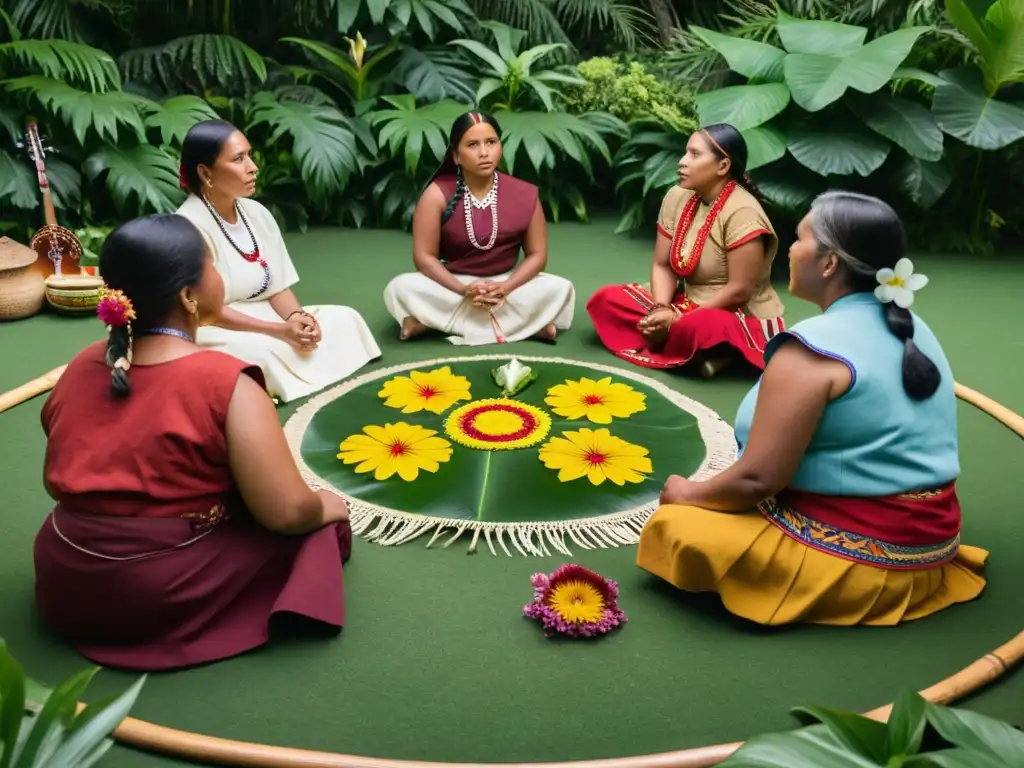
[254, 257]
[685, 265]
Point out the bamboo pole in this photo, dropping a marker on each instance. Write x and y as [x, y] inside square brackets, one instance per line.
[30, 389]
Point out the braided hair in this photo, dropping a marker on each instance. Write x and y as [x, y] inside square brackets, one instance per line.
[460, 190]
[728, 144]
[867, 235]
[150, 260]
[462, 123]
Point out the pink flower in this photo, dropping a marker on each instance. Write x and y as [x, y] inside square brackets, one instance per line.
[115, 309]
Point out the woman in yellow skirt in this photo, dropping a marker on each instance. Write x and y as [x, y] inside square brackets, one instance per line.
[841, 507]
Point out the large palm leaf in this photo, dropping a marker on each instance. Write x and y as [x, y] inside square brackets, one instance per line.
[561, 21]
[64, 60]
[18, 186]
[326, 144]
[143, 176]
[429, 15]
[513, 72]
[105, 113]
[49, 19]
[209, 59]
[548, 137]
[408, 128]
[435, 73]
[177, 115]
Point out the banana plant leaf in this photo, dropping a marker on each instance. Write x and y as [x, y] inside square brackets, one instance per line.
[503, 486]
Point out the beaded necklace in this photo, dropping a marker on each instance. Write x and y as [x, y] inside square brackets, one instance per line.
[685, 265]
[162, 331]
[253, 257]
[490, 200]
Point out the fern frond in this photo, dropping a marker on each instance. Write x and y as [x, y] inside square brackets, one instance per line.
[63, 60]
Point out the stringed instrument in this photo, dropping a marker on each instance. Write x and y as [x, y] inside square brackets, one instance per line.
[58, 249]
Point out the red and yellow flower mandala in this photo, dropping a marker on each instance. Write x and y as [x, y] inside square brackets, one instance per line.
[497, 425]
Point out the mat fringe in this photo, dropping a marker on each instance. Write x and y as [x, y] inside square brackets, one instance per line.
[392, 527]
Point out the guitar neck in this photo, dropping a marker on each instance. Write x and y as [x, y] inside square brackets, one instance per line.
[49, 212]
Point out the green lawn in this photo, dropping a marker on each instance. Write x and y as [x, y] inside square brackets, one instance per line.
[436, 662]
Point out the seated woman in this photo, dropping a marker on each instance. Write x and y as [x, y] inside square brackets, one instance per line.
[466, 242]
[299, 349]
[841, 508]
[710, 298]
[182, 525]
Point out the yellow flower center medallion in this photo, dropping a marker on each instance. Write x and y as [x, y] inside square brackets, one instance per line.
[497, 424]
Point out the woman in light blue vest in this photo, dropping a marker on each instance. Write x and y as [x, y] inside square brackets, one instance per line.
[842, 507]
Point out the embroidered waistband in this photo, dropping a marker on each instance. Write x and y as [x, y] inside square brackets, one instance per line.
[854, 546]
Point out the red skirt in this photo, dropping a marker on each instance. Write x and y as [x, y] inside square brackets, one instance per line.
[616, 309]
[153, 594]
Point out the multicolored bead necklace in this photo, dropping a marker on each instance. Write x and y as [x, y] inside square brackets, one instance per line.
[252, 256]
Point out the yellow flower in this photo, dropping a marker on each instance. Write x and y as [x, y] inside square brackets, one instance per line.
[577, 602]
[597, 455]
[399, 448]
[599, 401]
[433, 391]
[497, 425]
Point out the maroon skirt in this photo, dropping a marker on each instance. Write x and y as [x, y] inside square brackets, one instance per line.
[153, 594]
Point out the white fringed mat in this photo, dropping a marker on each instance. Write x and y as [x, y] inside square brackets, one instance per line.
[391, 527]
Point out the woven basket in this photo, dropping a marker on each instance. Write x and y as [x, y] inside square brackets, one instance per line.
[74, 294]
[22, 290]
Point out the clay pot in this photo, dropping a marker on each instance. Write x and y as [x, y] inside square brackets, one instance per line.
[22, 290]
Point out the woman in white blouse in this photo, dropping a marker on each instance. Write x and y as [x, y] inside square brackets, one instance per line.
[300, 349]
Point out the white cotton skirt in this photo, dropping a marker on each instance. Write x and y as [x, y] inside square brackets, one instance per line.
[528, 310]
[345, 347]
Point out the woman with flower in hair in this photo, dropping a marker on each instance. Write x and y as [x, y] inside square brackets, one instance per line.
[842, 506]
[470, 225]
[710, 299]
[300, 349]
[183, 532]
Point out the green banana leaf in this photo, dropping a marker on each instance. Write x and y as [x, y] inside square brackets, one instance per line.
[503, 486]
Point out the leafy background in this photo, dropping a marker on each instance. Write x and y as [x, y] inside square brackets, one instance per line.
[347, 103]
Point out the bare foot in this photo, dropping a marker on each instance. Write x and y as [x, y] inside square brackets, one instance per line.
[547, 333]
[411, 327]
[711, 368]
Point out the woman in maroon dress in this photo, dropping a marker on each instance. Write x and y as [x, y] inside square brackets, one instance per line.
[710, 300]
[182, 526]
[469, 227]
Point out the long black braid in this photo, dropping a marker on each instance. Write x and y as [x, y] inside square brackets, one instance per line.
[119, 346]
[748, 184]
[460, 190]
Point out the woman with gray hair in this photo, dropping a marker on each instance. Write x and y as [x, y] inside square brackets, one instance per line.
[841, 507]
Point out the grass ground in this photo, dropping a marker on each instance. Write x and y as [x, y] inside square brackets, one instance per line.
[436, 662]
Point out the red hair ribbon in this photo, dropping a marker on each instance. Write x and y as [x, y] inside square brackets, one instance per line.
[182, 177]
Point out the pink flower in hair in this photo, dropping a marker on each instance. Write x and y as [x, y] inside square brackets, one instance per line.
[115, 309]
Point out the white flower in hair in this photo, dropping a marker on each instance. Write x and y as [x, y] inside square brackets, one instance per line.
[899, 284]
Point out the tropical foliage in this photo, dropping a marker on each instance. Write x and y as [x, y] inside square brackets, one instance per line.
[923, 107]
[918, 734]
[348, 104]
[40, 727]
